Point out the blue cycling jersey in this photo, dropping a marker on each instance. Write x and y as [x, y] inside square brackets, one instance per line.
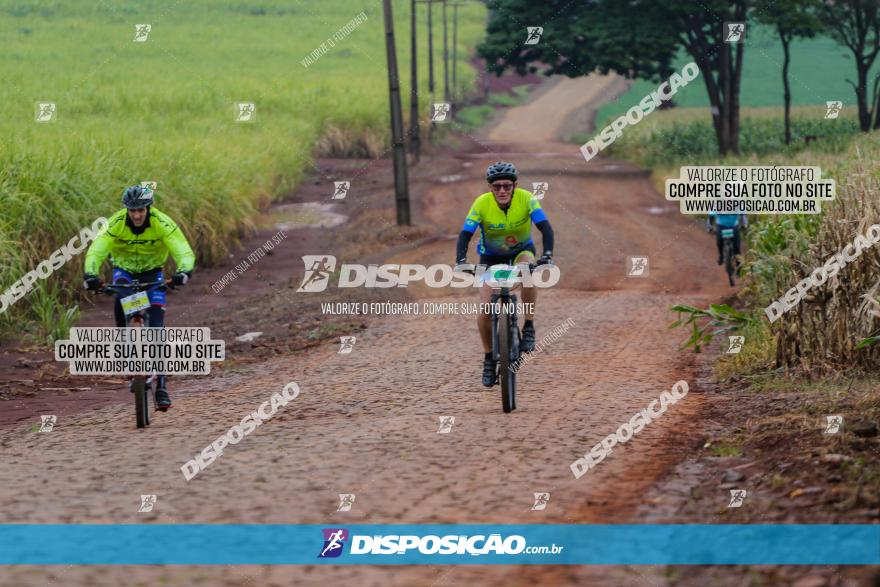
[726, 220]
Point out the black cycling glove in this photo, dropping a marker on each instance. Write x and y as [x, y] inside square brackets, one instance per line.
[91, 282]
[181, 277]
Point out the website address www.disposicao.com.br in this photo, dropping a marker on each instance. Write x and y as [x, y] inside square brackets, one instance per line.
[335, 540]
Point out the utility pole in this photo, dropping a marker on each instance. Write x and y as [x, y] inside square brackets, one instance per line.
[486, 81]
[414, 138]
[445, 58]
[401, 184]
[431, 62]
[455, 49]
[430, 49]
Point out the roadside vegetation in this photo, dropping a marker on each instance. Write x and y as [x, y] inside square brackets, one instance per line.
[822, 334]
[811, 364]
[163, 110]
[762, 101]
[473, 117]
[668, 139]
[758, 51]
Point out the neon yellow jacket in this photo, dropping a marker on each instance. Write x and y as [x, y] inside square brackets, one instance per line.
[137, 253]
[502, 231]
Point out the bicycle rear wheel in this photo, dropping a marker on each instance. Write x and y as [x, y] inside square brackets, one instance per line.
[506, 374]
[148, 389]
[729, 261]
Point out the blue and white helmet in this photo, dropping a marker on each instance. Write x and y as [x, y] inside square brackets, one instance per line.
[501, 170]
[137, 197]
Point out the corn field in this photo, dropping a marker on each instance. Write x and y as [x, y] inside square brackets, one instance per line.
[822, 333]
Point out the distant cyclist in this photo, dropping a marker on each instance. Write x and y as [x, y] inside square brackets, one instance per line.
[505, 216]
[726, 221]
[138, 239]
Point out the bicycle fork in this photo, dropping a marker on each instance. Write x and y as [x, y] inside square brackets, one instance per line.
[509, 301]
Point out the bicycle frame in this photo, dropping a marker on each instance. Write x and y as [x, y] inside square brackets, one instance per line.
[506, 299]
[138, 319]
[505, 341]
[506, 338]
[727, 246]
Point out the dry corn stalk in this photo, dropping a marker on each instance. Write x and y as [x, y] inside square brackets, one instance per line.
[820, 334]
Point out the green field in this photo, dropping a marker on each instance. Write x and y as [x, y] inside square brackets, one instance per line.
[685, 136]
[163, 110]
[818, 73]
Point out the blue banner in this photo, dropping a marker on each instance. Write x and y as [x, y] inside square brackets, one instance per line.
[423, 544]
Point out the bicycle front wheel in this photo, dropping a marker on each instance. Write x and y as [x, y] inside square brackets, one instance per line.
[505, 361]
[139, 387]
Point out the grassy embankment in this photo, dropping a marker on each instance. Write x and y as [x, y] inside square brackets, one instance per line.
[163, 110]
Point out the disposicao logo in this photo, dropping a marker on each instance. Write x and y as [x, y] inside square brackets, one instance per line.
[318, 271]
[320, 268]
[404, 544]
[334, 541]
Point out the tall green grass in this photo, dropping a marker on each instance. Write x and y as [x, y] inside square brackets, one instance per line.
[163, 110]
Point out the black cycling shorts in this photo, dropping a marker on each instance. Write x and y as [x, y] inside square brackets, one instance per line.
[489, 260]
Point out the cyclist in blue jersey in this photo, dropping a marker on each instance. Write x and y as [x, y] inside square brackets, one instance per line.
[726, 221]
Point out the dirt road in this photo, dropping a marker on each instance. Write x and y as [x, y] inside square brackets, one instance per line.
[367, 422]
[566, 105]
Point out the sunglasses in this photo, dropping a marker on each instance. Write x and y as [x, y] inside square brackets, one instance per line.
[502, 186]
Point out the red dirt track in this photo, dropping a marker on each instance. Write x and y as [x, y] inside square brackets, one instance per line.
[367, 422]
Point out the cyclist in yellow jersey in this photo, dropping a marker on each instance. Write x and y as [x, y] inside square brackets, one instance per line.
[505, 216]
[138, 240]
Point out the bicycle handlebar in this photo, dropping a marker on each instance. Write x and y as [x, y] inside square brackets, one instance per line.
[532, 266]
[113, 288]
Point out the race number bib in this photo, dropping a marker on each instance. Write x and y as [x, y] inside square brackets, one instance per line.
[135, 303]
[502, 276]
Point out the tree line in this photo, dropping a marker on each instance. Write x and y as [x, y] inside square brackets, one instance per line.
[642, 38]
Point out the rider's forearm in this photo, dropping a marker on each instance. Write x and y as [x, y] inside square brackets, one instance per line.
[546, 234]
[97, 253]
[464, 238]
[181, 251]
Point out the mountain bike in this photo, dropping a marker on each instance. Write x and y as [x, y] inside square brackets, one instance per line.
[134, 305]
[506, 335]
[728, 255]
